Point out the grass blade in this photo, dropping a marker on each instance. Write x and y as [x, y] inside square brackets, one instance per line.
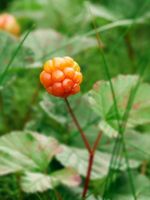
[14, 55]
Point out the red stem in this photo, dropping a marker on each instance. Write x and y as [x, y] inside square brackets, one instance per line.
[96, 143]
[91, 150]
[87, 180]
[90, 164]
[86, 143]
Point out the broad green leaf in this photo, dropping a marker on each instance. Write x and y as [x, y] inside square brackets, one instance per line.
[78, 159]
[108, 129]
[67, 176]
[81, 45]
[50, 108]
[21, 151]
[87, 118]
[30, 153]
[138, 145]
[142, 185]
[46, 43]
[38, 182]
[43, 41]
[35, 182]
[53, 113]
[141, 107]
[102, 102]
[61, 123]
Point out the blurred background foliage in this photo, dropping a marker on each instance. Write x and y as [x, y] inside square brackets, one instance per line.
[63, 27]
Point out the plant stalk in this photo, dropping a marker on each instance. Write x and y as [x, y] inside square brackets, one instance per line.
[91, 150]
[87, 180]
[90, 164]
[84, 138]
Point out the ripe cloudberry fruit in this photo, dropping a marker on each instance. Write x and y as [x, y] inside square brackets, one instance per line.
[61, 77]
[9, 24]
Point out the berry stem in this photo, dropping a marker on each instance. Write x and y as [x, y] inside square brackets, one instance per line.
[88, 175]
[97, 141]
[91, 150]
[84, 138]
[90, 164]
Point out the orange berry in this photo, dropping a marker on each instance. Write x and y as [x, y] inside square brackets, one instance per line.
[57, 62]
[2, 22]
[77, 77]
[61, 77]
[45, 79]
[49, 90]
[69, 72]
[49, 67]
[69, 61]
[76, 89]
[57, 89]
[76, 67]
[8, 23]
[68, 85]
[58, 76]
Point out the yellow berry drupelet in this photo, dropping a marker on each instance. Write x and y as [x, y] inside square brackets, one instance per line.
[61, 77]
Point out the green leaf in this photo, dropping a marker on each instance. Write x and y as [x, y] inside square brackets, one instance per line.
[67, 176]
[78, 159]
[108, 129]
[48, 42]
[142, 185]
[38, 182]
[21, 151]
[141, 106]
[102, 102]
[43, 41]
[138, 145]
[35, 182]
[50, 108]
[30, 154]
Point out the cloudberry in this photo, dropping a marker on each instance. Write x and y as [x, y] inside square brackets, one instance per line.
[61, 77]
[8, 23]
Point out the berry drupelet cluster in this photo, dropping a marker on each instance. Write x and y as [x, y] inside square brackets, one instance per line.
[61, 77]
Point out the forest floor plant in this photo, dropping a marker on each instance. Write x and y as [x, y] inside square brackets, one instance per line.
[62, 77]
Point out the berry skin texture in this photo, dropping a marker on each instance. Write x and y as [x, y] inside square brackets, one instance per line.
[61, 77]
[9, 24]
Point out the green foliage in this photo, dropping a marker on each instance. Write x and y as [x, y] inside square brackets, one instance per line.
[102, 102]
[142, 184]
[78, 158]
[33, 162]
[8, 46]
[33, 165]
